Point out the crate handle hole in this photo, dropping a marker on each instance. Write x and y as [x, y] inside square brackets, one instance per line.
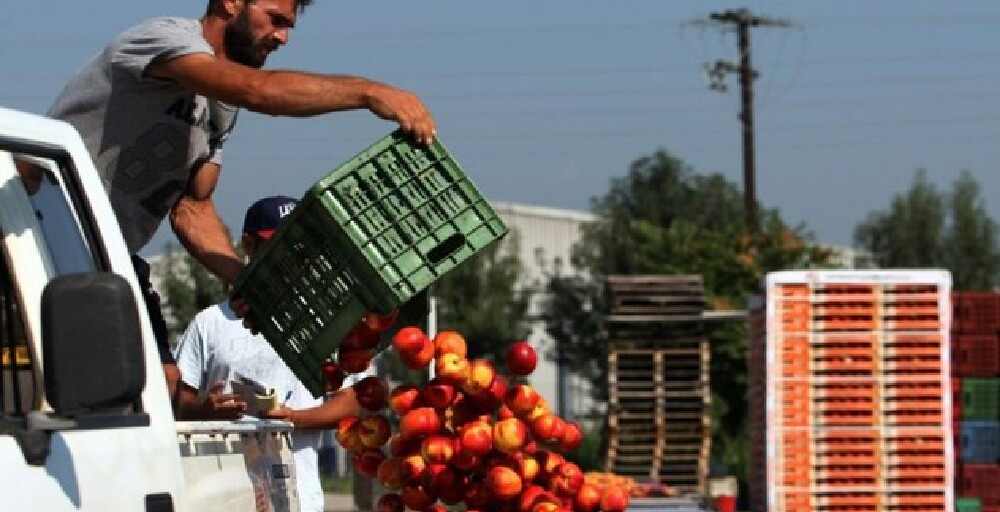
[446, 248]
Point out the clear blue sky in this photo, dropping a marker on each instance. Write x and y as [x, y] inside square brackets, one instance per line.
[544, 102]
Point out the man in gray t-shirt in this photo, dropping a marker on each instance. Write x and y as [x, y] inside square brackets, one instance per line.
[145, 134]
[156, 105]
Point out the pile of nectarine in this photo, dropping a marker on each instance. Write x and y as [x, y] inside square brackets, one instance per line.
[356, 352]
[468, 436]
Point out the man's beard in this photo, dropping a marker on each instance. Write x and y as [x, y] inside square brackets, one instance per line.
[240, 45]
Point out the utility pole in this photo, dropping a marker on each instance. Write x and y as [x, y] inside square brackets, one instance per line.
[744, 21]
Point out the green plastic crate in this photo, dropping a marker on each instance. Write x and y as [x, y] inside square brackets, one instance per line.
[405, 215]
[968, 505]
[302, 297]
[370, 236]
[981, 399]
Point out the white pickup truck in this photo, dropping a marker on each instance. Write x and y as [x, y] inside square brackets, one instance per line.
[86, 421]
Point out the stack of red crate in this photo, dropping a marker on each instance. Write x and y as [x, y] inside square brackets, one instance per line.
[850, 393]
[975, 365]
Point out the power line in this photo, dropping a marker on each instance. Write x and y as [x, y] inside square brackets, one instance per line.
[881, 141]
[987, 18]
[776, 59]
[598, 133]
[867, 83]
[436, 101]
[990, 19]
[47, 74]
[676, 147]
[659, 69]
[907, 57]
[416, 33]
[465, 31]
[653, 69]
[645, 108]
[656, 110]
[982, 118]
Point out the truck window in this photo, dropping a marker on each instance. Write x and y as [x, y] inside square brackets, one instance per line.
[61, 228]
[17, 387]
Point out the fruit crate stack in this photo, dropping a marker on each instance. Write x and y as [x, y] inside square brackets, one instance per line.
[658, 376]
[975, 374]
[850, 393]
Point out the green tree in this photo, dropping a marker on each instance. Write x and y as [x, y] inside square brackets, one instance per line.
[911, 233]
[971, 241]
[187, 287]
[664, 218]
[925, 227]
[482, 300]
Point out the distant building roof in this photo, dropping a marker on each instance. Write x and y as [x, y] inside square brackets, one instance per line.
[850, 257]
[543, 212]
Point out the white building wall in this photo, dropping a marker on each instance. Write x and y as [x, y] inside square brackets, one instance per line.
[546, 237]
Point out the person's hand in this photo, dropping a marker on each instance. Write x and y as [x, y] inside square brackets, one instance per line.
[279, 413]
[405, 108]
[218, 405]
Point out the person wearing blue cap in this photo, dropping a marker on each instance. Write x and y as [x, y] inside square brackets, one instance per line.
[217, 350]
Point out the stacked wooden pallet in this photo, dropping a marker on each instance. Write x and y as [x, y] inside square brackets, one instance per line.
[656, 299]
[658, 376]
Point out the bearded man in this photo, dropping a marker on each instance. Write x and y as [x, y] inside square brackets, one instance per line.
[156, 105]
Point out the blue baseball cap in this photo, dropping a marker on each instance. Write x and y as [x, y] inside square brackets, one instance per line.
[264, 216]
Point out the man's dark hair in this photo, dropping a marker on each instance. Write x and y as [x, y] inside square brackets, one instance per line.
[299, 4]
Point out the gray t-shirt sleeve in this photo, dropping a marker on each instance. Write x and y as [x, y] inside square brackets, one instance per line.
[220, 110]
[216, 156]
[156, 40]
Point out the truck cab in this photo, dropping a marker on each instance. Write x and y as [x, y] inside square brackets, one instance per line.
[86, 419]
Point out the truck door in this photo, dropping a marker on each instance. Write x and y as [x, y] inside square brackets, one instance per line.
[48, 228]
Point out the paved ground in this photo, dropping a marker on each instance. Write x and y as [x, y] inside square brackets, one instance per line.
[345, 503]
[338, 503]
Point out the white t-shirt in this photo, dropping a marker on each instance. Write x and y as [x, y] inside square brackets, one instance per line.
[216, 347]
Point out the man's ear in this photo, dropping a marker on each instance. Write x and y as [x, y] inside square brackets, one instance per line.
[231, 8]
[247, 243]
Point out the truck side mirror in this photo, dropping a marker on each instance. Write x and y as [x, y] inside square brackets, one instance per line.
[92, 344]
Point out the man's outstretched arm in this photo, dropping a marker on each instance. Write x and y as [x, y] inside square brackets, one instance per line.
[342, 404]
[199, 228]
[295, 93]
